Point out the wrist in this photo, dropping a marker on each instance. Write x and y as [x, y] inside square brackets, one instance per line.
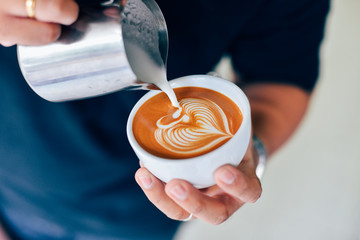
[261, 156]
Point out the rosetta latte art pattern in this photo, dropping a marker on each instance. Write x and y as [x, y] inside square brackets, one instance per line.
[201, 125]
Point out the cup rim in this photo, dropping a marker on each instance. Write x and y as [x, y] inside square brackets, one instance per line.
[199, 82]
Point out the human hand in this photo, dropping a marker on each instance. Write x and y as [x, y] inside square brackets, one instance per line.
[17, 28]
[178, 198]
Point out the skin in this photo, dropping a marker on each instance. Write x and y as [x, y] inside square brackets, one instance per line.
[17, 28]
[276, 112]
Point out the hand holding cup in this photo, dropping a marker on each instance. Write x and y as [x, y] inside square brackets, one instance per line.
[210, 186]
[183, 153]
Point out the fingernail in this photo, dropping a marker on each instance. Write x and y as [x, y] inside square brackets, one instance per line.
[145, 180]
[227, 176]
[179, 192]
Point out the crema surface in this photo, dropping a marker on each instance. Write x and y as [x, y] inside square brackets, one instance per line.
[205, 121]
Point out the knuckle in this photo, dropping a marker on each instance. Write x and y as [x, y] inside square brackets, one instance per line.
[198, 208]
[154, 199]
[178, 216]
[74, 14]
[4, 36]
[57, 7]
[219, 220]
[256, 195]
[66, 11]
[51, 33]
[245, 187]
[222, 217]
[157, 201]
[49, 8]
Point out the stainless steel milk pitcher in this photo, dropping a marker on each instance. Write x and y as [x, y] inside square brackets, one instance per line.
[90, 57]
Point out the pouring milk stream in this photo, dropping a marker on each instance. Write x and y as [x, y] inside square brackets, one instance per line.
[102, 53]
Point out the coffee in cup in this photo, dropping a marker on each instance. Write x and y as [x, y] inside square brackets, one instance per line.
[205, 120]
[211, 127]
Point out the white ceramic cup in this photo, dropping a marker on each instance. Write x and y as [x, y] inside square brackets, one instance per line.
[199, 171]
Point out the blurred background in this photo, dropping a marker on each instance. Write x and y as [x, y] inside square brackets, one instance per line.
[311, 187]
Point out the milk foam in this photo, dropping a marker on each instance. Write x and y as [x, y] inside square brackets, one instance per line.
[149, 71]
[201, 125]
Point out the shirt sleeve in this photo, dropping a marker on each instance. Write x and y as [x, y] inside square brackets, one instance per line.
[281, 43]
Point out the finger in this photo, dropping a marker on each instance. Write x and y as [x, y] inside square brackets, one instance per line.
[154, 190]
[236, 183]
[214, 210]
[23, 31]
[56, 11]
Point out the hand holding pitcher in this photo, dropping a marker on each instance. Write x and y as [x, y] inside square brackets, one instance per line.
[37, 22]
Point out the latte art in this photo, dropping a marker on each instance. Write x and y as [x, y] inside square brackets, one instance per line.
[201, 126]
[204, 121]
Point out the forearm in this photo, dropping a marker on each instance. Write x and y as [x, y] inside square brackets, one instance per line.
[276, 110]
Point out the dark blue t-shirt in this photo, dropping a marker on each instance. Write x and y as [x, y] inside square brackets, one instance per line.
[67, 169]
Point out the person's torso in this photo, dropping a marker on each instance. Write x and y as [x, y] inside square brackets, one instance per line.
[70, 163]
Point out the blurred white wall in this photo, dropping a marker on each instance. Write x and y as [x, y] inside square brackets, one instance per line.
[312, 185]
